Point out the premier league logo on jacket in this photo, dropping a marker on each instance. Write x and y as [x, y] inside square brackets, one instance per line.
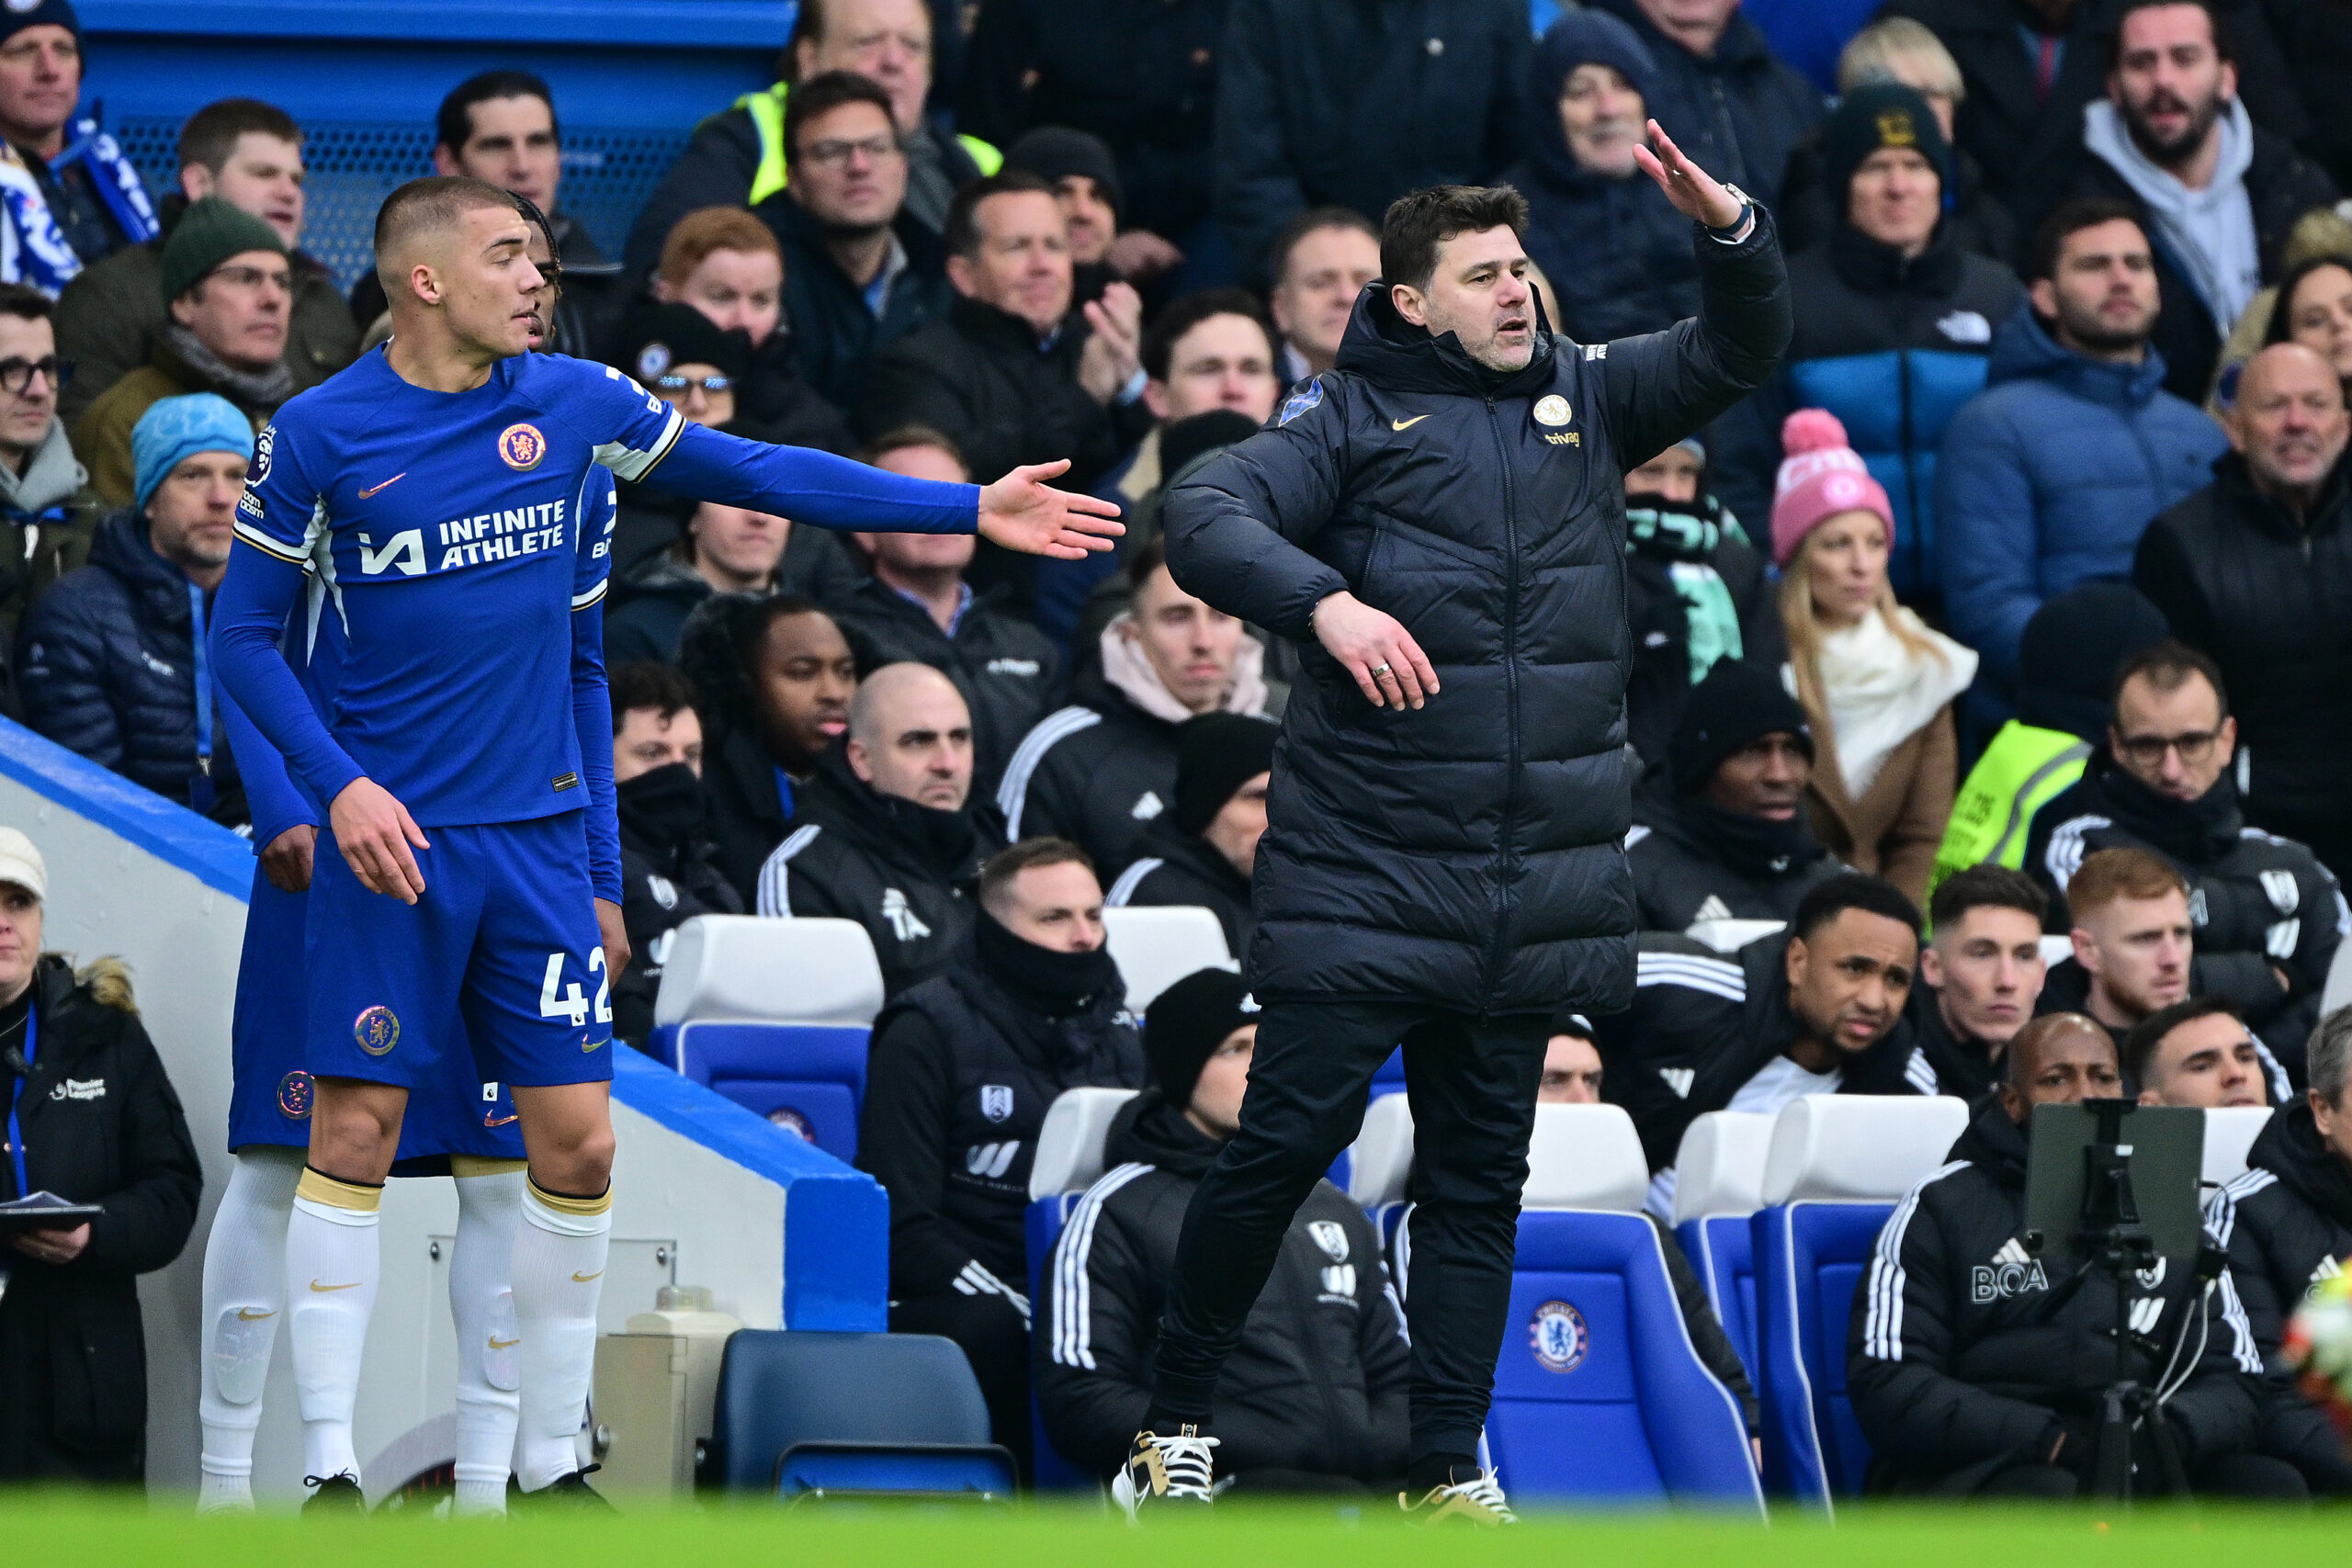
[1559, 1337]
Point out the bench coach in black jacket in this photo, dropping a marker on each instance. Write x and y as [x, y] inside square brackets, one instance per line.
[1447, 874]
[1970, 1367]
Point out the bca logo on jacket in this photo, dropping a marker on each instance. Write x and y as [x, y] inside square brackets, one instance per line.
[996, 1100]
[990, 1161]
[2011, 1274]
[905, 924]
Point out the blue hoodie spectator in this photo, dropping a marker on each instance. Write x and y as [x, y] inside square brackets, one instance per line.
[1616, 254]
[2047, 479]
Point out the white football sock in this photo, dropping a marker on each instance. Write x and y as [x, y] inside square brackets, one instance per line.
[560, 1250]
[332, 1262]
[481, 1304]
[244, 1295]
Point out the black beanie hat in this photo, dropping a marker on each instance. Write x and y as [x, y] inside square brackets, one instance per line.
[1053, 153]
[1187, 1023]
[658, 336]
[1197, 436]
[41, 12]
[1884, 114]
[2071, 650]
[1736, 704]
[1215, 755]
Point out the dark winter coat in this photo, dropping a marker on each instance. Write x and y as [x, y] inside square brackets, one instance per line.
[908, 873]
[1317, 1384]
[648, 608]
[1175, 868]
[1808, 211]
[962, 1073]
[2281, 185]
[2269, 598]
[1737, 113]
[1465, 853]
[2258, 902]
[1945, 1062]
[103, 1125]
[663, 885]
[1719, 1019]
[833, 332]
[1096, 773]
[1692, 861]
[1892, 346]
[1006, 669]
[1353, 103]
[2288, 1223]
[1962, 1360]
[106, 668]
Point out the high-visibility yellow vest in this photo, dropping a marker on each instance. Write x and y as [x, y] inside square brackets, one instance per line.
[766, 110]
[2021, 773]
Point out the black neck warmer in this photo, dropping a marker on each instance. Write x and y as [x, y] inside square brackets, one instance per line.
[1055, 984]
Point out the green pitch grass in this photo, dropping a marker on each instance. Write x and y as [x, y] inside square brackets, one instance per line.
[55, 1532]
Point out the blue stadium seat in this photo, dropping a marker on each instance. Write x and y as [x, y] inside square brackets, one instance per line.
[1600, 1396]
[1069, 1160]
[1836, 1166]
[774, 1014]
[889, 1412]
[1720, 1182]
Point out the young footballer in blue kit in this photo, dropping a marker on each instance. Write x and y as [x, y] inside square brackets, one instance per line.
[440, 484]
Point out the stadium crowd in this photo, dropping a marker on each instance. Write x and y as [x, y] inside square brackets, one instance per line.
[2021, 594]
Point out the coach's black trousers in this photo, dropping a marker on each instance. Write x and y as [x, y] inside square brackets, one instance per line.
[1473, 1083]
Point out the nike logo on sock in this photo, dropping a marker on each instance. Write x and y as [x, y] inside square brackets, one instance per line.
[322, 1290]
[1393, 424]
[498, 1343]
[386, 485]
[577, 1278]
[247, 1315]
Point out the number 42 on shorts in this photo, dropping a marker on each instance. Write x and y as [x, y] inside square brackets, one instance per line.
[572, 1007]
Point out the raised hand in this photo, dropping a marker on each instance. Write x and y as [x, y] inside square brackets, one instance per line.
[1694, 192]
[1022, 512]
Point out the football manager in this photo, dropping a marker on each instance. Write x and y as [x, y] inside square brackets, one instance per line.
[1440, 523]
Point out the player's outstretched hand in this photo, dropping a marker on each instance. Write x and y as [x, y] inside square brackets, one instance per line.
[287, 861]
[1389, 666]
[1022, 512]
[374, 831]
[1694, 192]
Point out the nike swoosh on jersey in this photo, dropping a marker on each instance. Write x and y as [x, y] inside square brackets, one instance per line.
[580, 1278]
[1393, 424]
[247, 1315]
[386, 485]
[322, 1290]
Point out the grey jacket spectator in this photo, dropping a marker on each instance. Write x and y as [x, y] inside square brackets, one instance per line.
[1339, 103]
[1729, 102]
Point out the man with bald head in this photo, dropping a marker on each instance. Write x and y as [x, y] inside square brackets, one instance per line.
[1974, 1371]
[887, 833]
[2255, 571]
[471, 854]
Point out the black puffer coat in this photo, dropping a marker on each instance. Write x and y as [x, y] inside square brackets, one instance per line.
[1466, 854]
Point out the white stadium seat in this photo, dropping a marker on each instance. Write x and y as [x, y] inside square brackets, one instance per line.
[1719, 1168]
[2057, 949]
[1585, 1156]
[1858, 1147]
[1381, 1154]
[2230, 1133]
[1070, 1145]
[1154, 948]
[777, 971]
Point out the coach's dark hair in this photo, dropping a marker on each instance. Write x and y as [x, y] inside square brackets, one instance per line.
[211, 134]
[2070, 218]
[822, 94]
[649, 683]
[1985, 886]
[1850, 890]
[997, 875]
[2166, 666]
[1314, 220]
[2132, 7]
[1420, 221]
[2148, 1036]
[1183, 314]
[30, 304]
[962, 231]
[452, 124]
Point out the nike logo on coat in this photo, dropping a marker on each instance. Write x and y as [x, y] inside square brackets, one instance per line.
[1393, 424]
[322, 1290]
[386, 485]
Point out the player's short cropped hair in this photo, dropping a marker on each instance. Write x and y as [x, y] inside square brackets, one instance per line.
[26, 303]
[1985, 886]
[2070, 218]
[453, 123]
[2026, 1044]
[699, 234]
[650, 685]
[2148, 1036]
[210, 135]
[910, 435]
[962, 232]
[998, 873]
[437, 201]
[2118, 873]
[2327, 1059]
[1314, 220]
[1417, 222]
[1180, 316]
[2166, 666]
[820, 95]
[1828, 899]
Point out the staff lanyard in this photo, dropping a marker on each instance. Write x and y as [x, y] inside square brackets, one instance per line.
[200, 794]
[16, 1134]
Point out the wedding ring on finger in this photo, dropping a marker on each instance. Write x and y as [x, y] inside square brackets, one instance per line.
[1379, 670]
